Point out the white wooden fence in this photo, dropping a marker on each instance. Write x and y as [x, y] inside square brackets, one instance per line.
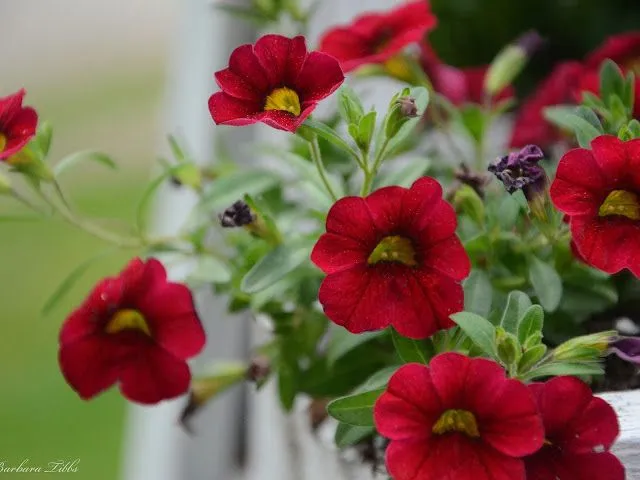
[278, 447]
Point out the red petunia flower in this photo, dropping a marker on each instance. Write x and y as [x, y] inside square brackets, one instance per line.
[558, 88]
[17, 124]
[579, 430]
[276, 81]
[624, 49]
[599, 189]
[458, 418]
[458, 85]
[376, 37]
[136, 329]
[392, 258]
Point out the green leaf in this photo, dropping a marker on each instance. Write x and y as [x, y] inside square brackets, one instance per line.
[43, 138]
[628, 97]
[86, 156]
[531, 323]
[547, 284]
[342, 342]
[210, 270]
[329, 134]
[274, 266]
[366, 128]
[349, 105]
[517, 304]
[531, 357]
[71, 279]
[225, 190]
[478, 293]
[468, 200]
[481, 332]
[508, 212]
[378, 380]
[355, 409]
[421, 96]
[306, 171]
[564, 368]
[287, 385]
[347, 435]
[612, 81]
[409, 350]
[474, 121]
[568, 118]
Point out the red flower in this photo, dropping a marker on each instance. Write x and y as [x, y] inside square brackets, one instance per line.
[17, 124]
[458, 418]
[599, 189]
[376, 37]
[579, 430]
[559, 87]
[135, 329]
[623, 49]
[276, 81]
[458, 85]
[392, 258]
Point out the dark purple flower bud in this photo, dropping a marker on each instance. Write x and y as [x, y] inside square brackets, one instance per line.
[530, 42]
[237, 215]
[627, 348]
[520, 171]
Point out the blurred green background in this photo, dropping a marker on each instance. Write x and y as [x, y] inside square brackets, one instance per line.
[98, 75]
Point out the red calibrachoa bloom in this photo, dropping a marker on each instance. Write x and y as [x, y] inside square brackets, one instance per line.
[458, 418]
[136, 329]
[559, 87]
[458, 85]
[377, 37]
[17, 124]
[579, 430]
[599, 189]
[392, 258]
[276, 81]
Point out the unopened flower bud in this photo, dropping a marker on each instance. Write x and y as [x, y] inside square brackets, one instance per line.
[259, 370]
[237, 215]
[508, 347]
[408, 106]
[585, 347]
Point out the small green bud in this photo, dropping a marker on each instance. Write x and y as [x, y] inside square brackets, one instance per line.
[585, 347]
[509, 350]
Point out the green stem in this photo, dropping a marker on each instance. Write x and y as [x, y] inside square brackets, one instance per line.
[370, 175]
[316, 156]
[25, 201]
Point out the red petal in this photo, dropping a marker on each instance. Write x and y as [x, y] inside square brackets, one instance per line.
[350, 217]
[227, 110]
[596, 427]
[621, 48]
[611, 156]
[550, 464]
[420, 202]
[452, 457]
[285, 120]
[236, 86]
[10, 106]
[445, 297]
[578, 188]
[347, 46]
[281, 58]
[244, 63]
[633, 153]
[385, 207]
[319, 78]
[156, 375]
[410, 406]
[448, 257]
[333, 253]
[173, 320]
[89, 365]
[607, 243]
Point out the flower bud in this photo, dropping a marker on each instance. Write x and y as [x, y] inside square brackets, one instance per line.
[237, 215]
[508, 64]
[585, 347]
[402, 109]
[259, 370]
[408, 107]
[509, 350]
[187, 174]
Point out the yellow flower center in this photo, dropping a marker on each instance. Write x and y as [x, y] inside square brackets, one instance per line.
[622, 203]
[399, 67]
[394, 249]
[283, 99]
[3, 142]
[461, 421]
[127, 319]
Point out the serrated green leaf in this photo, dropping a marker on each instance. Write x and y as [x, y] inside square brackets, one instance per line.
[355, 409]
[531, 323]
[408, 349]
[481, 332]
[347, 435]
[546, 283]
[86, 156]
[478, 293]
[517, 304]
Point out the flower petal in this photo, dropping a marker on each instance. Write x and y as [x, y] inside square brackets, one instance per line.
[350, 48]
[421, 201]
[351, 218]
[333, 253]
[320, 76]
[448, 257]
[228, 110]
[154, 376]
[578, 188]
[610, 154]
[385, 207]
[281, 58]
[238, 87]
[595, 428]
[244, 63]
[445, 297]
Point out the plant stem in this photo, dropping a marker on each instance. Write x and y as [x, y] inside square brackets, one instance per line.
[370, 175]
[316, 156]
